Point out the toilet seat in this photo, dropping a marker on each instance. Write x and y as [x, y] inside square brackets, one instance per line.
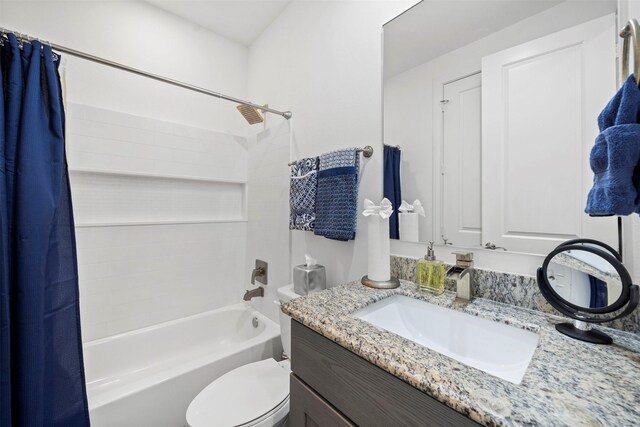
[245, 396]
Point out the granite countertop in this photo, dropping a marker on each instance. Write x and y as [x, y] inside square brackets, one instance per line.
[567, 383]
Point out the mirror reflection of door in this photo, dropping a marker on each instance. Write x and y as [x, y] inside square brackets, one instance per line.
[461, 214]
[539, 124]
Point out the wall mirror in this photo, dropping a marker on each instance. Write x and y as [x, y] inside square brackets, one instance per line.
[586, 281]
[492, 106]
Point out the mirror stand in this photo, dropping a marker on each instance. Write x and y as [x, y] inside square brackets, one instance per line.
[582, 331]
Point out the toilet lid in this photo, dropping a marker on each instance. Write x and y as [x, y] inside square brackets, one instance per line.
[241, 395]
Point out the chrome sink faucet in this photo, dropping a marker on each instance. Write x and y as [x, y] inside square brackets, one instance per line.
[462, 274]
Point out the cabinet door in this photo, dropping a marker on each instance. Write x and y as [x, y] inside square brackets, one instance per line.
[461, 170]
[540, 103]
[308, 409]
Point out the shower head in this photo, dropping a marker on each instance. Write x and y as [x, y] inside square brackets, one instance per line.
[251, 114]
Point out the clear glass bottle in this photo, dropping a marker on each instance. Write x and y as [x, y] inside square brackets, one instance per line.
[430, 273]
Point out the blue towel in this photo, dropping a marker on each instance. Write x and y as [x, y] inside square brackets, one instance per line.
[337, 198]
[302, 194]
[615, 156]
[392, 189]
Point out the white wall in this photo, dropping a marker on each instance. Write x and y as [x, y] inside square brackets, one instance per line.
[322, 60]
[142, 36]
[182, 260]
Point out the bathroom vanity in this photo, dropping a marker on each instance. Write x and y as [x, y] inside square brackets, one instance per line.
[331, 386]
[348, 371]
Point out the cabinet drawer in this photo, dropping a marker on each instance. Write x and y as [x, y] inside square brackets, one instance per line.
[308, 409]
[364, 393]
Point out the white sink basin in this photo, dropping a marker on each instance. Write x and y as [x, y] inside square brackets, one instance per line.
[498, 349]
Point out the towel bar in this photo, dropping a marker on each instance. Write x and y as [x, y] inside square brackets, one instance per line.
[630, 31]
[367, 151]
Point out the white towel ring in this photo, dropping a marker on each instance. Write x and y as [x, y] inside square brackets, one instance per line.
[630, 31]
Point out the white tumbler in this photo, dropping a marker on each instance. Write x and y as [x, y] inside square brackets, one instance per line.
[408, 226]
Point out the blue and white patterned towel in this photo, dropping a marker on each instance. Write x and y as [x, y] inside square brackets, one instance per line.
[337, 198]
[302, 194]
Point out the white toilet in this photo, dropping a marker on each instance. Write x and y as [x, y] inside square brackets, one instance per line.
[256, 394]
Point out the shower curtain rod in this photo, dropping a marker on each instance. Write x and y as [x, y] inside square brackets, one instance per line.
[23, 37]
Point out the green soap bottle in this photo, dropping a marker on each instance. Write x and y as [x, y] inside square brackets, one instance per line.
[430, 273]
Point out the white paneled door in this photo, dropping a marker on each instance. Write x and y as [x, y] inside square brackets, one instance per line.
[540, 103]
[461, 167]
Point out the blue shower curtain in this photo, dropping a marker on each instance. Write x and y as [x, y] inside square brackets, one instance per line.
[41, 368]
[392, 189]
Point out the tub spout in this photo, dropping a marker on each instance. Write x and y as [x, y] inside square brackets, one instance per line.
[257, 292]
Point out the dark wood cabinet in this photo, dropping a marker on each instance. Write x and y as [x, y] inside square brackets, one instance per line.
[330, 385]
[308, 409]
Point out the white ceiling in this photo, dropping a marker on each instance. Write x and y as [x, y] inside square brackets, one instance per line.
[435, 27]
[239, 20]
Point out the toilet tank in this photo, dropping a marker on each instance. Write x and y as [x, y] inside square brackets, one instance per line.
[286, 294]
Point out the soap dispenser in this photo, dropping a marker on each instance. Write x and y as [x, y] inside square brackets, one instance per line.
[430, 273]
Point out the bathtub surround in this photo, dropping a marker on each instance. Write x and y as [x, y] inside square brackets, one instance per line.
[567, 383]
[507, 288]
[160, 215]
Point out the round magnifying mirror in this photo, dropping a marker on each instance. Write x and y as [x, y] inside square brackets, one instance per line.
[585, 280]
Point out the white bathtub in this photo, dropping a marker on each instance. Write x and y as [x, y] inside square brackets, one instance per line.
[148, 377]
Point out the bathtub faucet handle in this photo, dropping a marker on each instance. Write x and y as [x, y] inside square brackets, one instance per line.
[256, 272]
[260, 272]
